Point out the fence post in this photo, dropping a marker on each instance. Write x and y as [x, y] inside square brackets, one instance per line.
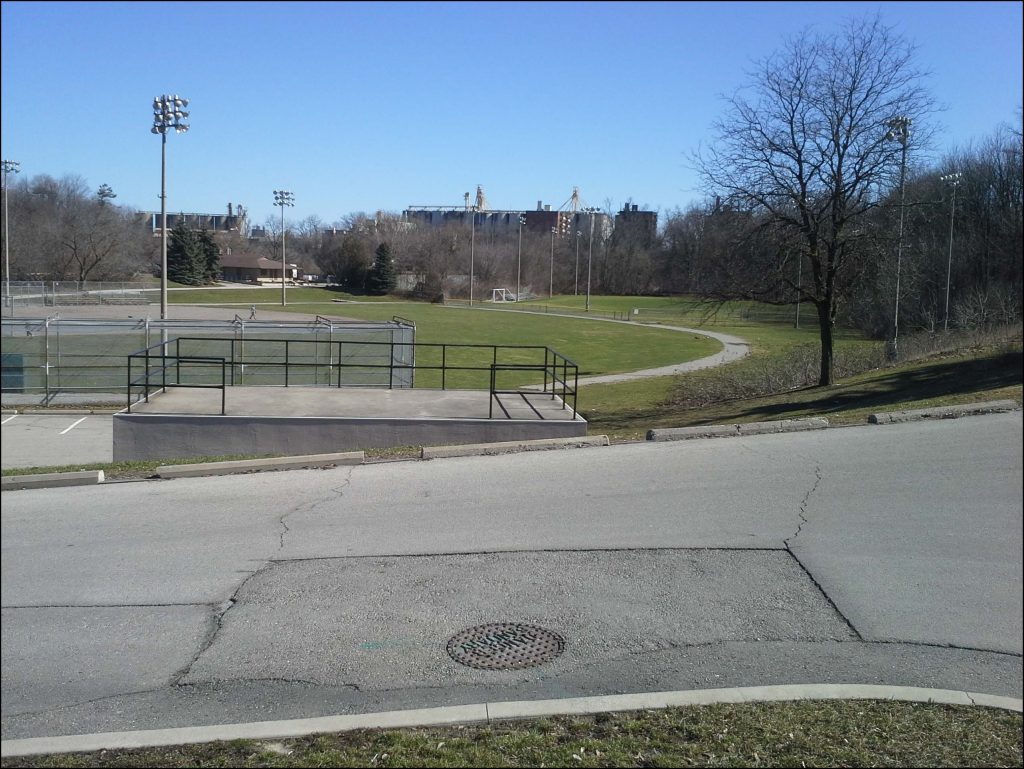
[46, 358]
[285, 359]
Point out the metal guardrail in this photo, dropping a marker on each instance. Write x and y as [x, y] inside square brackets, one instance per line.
[551, 367]
[557, 370]
[145, 380]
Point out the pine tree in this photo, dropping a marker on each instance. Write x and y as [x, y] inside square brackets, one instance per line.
[186, 263]
[210, 256]
[381, 279]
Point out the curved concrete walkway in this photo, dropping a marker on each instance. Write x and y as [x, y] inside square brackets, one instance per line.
[735, 348]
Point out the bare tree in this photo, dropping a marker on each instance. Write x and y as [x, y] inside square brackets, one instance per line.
[805, 156]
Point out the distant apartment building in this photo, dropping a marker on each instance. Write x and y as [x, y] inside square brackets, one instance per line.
[232, 222]
[541, 220]
[640, 227]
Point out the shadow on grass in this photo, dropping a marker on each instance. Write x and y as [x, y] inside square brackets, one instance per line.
[923, 383]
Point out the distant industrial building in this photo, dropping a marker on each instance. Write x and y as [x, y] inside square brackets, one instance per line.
[566, 221]
[233, 221]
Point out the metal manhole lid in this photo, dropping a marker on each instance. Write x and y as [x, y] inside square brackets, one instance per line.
[505, 646]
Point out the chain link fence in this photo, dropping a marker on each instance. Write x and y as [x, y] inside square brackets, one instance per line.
[65, 293]
[51, 356]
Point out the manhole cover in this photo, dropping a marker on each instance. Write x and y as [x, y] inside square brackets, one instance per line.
[505, 646]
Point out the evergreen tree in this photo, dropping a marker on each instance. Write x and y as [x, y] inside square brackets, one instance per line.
[210, 256]
[381, 279]
[186, 263]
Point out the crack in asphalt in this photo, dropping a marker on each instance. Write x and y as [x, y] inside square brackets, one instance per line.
[216, 621]
[214, 624]
[802, 509]
[305, 507]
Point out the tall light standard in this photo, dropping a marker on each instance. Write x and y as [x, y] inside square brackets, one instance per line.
[590, 252]
[899, 130]
[10, 167]
[472, 252]
[576, 285]
[283, 198]
[519, 259]
[168, 112]
[952, 180]
[551, 272]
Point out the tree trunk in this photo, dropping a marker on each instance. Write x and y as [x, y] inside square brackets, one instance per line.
[825, 334]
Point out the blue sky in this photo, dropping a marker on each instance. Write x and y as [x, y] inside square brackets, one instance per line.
[378, 106]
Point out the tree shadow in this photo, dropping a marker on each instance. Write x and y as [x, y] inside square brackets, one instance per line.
[936, 380]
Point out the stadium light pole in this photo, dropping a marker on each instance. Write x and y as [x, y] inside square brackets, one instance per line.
[899, 130]
[283, 198]
[168, 112]
[551, 271]
[472, 253]
[952, 180]
[576, 285]
[519, 259]
[590, 252]
[10, 167]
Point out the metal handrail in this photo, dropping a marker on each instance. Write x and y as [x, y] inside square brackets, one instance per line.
[145, 379]
[556, 369]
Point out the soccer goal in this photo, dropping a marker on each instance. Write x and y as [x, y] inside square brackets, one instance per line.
[502, 295]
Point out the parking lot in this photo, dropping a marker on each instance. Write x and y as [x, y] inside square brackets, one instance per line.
[47, 440]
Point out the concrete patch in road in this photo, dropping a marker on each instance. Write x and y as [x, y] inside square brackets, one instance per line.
[747, 428]
[943, 412]
[392, 631]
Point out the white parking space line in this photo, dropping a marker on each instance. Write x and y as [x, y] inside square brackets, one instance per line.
[8, 419]
[74, 425]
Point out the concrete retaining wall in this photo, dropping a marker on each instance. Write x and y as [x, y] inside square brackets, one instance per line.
[160, 436]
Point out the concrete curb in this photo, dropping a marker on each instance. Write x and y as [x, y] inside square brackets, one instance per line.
[724, 431]
[272, 463]
[510, 447]
[49, 480]
[493, 711]
[943, 412]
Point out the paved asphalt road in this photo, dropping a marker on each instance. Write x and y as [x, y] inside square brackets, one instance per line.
[874, 554]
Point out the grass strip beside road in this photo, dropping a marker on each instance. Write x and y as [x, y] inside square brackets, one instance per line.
[810, 733]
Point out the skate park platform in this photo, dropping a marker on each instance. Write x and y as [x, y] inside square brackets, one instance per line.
[184, 422]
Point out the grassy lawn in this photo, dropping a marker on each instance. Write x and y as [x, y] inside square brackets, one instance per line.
[828, 733]
[598, 348]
